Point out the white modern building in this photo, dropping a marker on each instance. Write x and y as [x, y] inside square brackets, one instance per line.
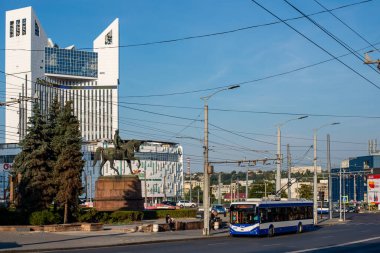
[37, 69]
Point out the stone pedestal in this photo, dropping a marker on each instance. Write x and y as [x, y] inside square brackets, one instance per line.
[118, 193]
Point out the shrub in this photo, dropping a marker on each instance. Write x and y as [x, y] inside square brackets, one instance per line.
[44, 217]
[126, 216]
[88, 215]
[182, 213]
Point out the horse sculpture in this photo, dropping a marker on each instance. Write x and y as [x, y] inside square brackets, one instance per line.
[126, 152]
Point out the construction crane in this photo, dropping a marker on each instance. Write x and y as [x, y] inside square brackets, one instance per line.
[368, 60]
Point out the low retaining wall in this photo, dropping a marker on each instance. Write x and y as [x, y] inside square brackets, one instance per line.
[55, 228]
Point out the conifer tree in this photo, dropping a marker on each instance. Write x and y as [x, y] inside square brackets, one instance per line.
[52, 119]
[33, 165]
[69, 164]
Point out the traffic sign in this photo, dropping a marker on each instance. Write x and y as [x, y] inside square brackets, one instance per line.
[345, 199]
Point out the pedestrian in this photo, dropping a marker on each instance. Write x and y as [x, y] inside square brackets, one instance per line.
[170, 221]
[212, 219]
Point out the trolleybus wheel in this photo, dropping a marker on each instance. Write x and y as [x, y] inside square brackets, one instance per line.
[299, 228]
[271, 231]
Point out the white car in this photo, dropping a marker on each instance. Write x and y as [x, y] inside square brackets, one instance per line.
[186, 203]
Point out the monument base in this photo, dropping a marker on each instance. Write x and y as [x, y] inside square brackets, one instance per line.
[114, 193]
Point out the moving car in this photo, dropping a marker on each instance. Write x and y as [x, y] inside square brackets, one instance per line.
[220, 209]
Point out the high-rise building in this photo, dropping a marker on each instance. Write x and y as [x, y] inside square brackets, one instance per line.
[37, 68]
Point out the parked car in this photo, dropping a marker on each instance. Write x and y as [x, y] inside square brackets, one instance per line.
[169, 203]
[220, 209]
[186, 203]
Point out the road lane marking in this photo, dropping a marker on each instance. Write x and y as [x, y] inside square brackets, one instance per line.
[337, 245]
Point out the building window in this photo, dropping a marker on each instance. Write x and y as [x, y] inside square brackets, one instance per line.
[23, 26]
[11, 28]
[108, 38]
[18, 27]
[36, 29]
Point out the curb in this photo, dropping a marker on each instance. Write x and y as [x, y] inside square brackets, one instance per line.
[117, 244]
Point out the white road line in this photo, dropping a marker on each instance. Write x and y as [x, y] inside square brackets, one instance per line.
[337, 245]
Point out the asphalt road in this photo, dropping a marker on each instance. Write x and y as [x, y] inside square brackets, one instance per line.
[361, 234]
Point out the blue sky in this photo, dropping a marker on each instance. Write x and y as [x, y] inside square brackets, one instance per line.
[217, 61]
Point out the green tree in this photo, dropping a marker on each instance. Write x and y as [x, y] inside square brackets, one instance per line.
[305, 191]
[194, 194]
[54, 139]
[33, 166]
[69, 165]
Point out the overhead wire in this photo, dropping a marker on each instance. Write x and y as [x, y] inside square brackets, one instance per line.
[317, 45]
[203, 35]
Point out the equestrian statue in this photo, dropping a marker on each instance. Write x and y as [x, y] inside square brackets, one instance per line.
[121, 151]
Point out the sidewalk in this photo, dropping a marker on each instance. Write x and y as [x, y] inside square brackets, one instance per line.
[333, 221]
[111, 236]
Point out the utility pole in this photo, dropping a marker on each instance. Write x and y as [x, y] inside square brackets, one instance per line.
[246, 186]
[206, 178]
[289, 171]
[315, 204]
[278, 172]
[145, 189]
[355, 188]
[219, 186]
[238, 189]
[330, 179]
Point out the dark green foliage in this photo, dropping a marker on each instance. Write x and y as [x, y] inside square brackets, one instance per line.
[305, 191]
[34, 163]
[159, 214]
[69, 165]
[126, 216]
[87, 215]
[44, 217]
[12, 217]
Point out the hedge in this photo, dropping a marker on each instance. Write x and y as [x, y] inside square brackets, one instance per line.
[91, 215]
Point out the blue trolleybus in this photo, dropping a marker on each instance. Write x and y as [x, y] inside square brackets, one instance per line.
[270, 217]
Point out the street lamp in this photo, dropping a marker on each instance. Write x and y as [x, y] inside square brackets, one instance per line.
[278, 173]
[315, 203]
[206, 176]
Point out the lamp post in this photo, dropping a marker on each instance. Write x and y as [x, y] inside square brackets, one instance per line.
[246, 185]
[315, 181]
[206, 176]
[279, 160]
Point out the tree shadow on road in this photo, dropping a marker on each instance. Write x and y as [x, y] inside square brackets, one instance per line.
[8, 245]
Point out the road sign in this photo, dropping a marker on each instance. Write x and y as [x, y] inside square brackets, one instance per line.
[345, 199]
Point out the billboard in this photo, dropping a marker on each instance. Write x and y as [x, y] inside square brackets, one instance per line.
[373, 189]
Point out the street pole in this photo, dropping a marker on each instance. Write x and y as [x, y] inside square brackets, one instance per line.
[340, 194]
[289, 171]
[330, 179]
[355, 189]
[278, 172]
[145, 190]
[265, 189]
[206, 183]
[344, 194]
[219, 186]
[315, 186]
[246, 186]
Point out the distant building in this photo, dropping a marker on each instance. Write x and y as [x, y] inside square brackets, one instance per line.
[354, 177]
[303, 169]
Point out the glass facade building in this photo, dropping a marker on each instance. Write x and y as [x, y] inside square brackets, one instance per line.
[354, 178]
[70, 62]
